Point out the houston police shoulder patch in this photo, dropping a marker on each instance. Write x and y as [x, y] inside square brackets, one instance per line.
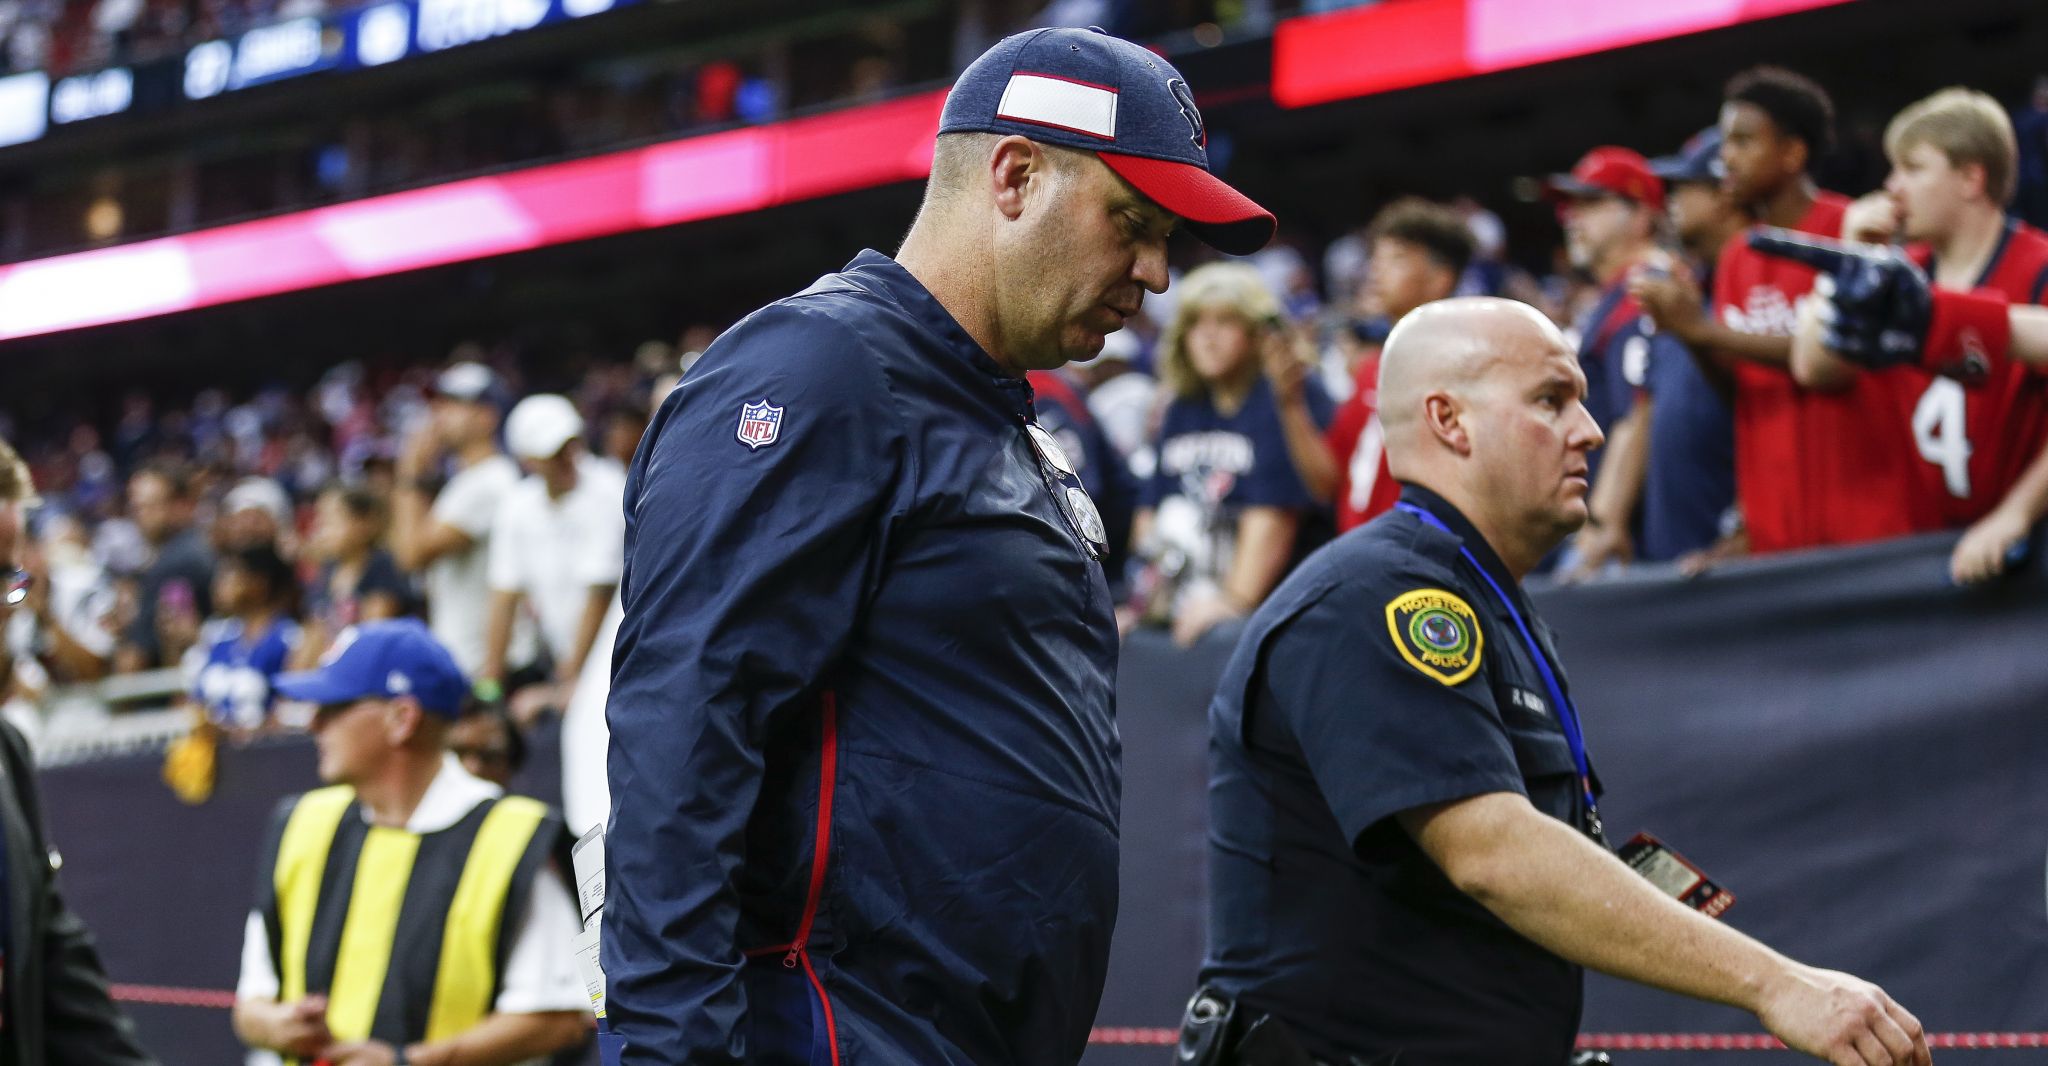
[1437, 633]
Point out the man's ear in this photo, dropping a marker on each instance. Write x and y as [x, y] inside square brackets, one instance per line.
[1445, 416]
[1014, 163]
[1975, 174]
[1800, 157]
[403, 717]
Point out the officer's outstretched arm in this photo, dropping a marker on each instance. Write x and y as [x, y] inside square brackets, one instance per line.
[1559, 889]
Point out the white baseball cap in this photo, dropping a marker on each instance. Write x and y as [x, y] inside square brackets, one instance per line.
[258, 494]
[540, 425]
[468, 381]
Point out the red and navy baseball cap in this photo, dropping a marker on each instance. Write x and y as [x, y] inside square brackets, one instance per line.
[1609, 170]
[1088, 90]
[1699, 161]
[386, 660]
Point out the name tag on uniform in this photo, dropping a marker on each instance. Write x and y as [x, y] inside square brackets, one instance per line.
[1675, 875]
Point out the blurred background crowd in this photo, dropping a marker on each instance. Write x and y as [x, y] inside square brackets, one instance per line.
[1227, 431]
[225, 533]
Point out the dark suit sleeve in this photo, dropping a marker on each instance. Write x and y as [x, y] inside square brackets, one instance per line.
[80, 1022]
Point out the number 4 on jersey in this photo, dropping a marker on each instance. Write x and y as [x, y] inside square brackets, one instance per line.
[1940, 430]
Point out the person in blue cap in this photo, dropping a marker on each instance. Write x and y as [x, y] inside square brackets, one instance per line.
[409, 912]
[1407, 865]
[1688, 488]
[864, 764]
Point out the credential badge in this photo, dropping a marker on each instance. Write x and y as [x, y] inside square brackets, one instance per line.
[760, 424]
[1088, 518]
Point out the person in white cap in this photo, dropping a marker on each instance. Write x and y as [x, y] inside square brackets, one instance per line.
[557, 545]
[445, 538]
[256, 511]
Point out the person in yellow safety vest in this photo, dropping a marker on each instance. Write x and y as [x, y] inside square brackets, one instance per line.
[410, 913]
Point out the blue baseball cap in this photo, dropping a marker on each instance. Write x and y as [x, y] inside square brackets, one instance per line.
[1088, 90]
[1699, 160]
[384, 660]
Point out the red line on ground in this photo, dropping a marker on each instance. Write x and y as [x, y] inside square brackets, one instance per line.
[1147, 1037]
[222, 999]
[218, 999]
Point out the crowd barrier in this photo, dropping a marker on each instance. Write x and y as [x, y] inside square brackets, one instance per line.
[1854, 747]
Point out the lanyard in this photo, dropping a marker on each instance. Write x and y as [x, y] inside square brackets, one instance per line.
[1567, 715]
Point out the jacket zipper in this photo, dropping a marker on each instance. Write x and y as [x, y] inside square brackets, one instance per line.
[794, 953]
[828, 774]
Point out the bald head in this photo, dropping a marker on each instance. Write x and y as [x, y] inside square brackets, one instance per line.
[1449, 346]
[1482, 402]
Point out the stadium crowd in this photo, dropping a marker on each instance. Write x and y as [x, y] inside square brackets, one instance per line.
[1226, 431]
[652, 90]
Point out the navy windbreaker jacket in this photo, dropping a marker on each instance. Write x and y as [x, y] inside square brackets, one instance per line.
[864, 763]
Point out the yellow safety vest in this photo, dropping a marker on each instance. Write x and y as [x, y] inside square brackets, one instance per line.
[406, 933]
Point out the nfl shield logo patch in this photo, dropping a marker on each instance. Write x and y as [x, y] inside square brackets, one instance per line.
[760, 424]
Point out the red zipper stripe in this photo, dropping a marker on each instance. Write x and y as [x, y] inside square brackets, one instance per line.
[828, 776]
[794, 953]
[825, 1001]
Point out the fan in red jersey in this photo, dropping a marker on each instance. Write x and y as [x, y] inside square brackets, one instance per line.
[1980, 446]
[1811, 467]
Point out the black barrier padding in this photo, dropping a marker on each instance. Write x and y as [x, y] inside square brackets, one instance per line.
[1853, 747]
[1162, 713]
[1856, 749]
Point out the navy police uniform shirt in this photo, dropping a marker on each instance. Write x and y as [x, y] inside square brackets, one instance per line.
[863, 763]
[1381, 676]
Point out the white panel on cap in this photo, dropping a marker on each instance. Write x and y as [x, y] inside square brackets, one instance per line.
[1051, 102]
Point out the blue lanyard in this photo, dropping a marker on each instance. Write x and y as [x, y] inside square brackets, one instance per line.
[1567, 715]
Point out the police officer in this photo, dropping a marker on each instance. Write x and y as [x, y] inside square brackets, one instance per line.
[863, 764]
[1406, 858]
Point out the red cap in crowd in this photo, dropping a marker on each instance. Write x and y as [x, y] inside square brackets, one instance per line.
[1609, 170]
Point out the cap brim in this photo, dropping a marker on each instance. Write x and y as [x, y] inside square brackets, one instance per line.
[1678, 168]
[541, 452]
[1224, 219]
[1558, 188]
[317, 687]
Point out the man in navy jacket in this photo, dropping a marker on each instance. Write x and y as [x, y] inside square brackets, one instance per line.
[864, 764]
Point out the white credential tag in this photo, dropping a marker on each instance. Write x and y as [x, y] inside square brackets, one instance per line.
[588, 855]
